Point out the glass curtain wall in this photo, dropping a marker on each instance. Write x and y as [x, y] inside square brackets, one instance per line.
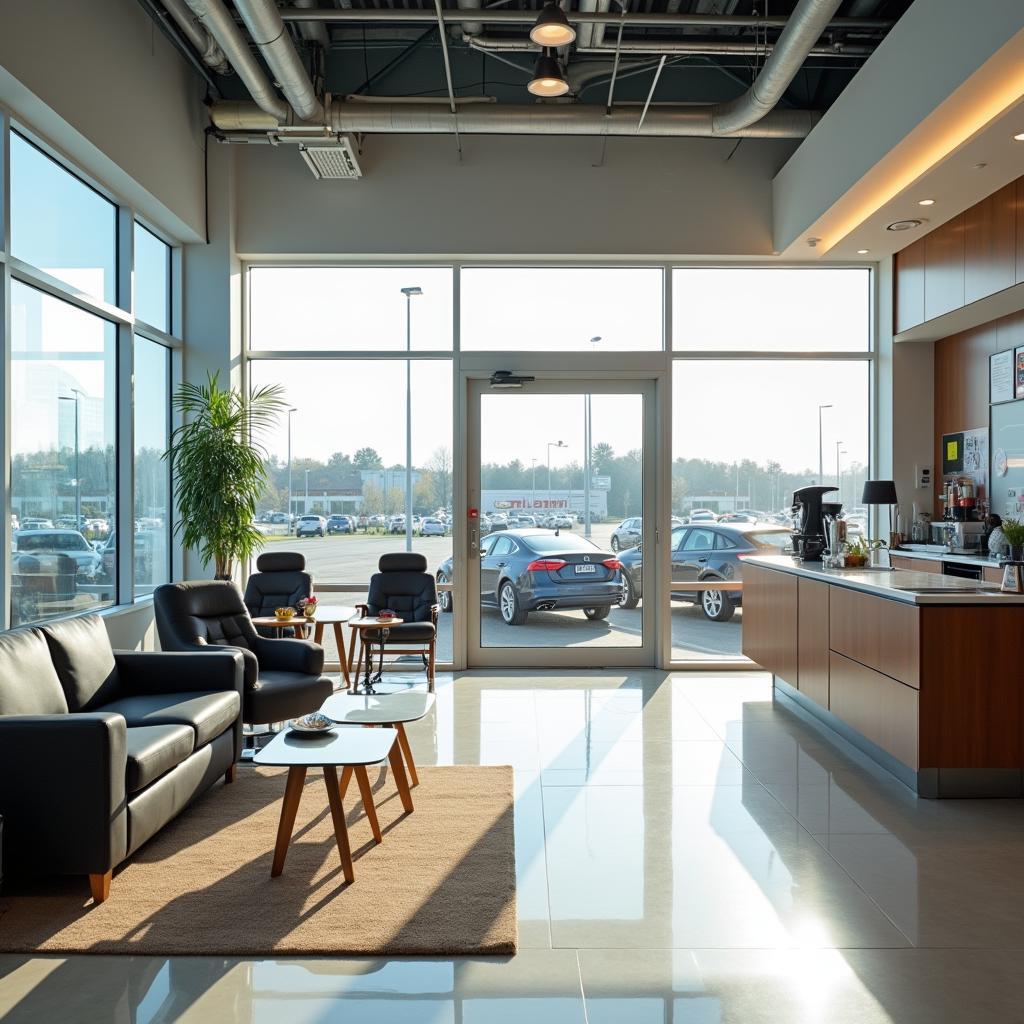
[755, 352]
[79, 335]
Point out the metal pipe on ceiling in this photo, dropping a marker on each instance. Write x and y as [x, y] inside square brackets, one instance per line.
[263, 20]
[469, 28]
[810, 18]
[678, 120]
[214, 17]
[601, 17]
[658, 46]
[204, 43]
[314, 31]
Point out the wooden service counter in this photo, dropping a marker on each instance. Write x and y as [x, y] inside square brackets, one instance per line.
[923, 673]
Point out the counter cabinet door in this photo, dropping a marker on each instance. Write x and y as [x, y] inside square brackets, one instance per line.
[813, 625]
[770, 617]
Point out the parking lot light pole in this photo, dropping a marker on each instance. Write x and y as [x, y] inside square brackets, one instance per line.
[821, 458]
[288, 521]
[533, 487]
[587, 468]
[305, 506]
[408, 293]
[552, 444]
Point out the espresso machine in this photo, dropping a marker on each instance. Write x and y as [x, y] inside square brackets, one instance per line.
[810, 538]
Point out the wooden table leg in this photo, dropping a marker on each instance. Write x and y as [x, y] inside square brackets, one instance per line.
[367, 796]
[346, 778]
[338, 815]
[289, 808]
[318, 633]
[339, 639]
[401, 780]
[403, 742]
[351, 653]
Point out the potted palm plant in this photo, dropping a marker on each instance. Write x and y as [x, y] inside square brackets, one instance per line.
[218, 462]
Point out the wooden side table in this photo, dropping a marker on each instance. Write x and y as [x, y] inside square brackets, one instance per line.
[335, 615]
[297, 624]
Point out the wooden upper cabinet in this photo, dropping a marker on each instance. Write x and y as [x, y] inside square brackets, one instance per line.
[910, 286]
[944, 268]
[990, 244]
[1019, 219]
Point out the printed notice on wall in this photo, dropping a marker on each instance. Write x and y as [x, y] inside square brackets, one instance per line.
[1018, 358]
[1001, 384]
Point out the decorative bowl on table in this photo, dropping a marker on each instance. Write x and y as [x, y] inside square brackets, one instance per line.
[313, 723]
[386, 614]
[284, 614]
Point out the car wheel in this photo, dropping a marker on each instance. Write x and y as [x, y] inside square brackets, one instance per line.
[509, 606]
[616, 547]
[444, 597]
[598, 613]
[716, 605]
[630, 598]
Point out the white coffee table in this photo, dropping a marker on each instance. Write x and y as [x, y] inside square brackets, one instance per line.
[349, 749]
[390, 709]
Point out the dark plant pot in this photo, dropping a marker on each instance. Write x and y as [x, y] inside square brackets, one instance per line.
[1016, 553]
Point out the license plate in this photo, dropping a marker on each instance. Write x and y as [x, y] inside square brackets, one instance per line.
[584, 568]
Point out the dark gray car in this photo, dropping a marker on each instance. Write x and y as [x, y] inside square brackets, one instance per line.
[704, 552]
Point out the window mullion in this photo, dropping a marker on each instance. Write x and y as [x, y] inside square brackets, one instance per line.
[125, 420]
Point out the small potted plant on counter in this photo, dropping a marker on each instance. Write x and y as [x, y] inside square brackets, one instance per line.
[857, 553]
[308, 607]
[1013, 533]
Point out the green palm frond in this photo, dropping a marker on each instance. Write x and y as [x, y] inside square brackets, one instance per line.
[217, 457]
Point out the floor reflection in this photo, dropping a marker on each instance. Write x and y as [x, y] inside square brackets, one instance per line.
[686, 851]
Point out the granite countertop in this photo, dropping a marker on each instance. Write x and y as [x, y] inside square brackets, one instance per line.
[922, 588]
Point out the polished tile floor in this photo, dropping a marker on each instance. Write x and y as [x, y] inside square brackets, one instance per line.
[687, 852]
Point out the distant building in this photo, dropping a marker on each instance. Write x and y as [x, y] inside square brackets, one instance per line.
[541, 501]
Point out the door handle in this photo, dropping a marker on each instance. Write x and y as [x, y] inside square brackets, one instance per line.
[702, 560]
[501, 565]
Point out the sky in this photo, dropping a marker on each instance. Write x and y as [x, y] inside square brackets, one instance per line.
[724, 410]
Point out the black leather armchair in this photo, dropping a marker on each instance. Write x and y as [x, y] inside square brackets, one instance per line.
[280, 581]
[404, 586]
[283, 678]
[99, 749]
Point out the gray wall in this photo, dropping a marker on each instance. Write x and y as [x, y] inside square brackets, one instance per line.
[101, 83]
[521, 196]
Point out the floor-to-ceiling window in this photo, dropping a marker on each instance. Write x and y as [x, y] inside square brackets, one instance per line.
[751, 359]
[86, 297]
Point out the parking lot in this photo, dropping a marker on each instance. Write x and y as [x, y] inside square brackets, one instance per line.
[353, 559]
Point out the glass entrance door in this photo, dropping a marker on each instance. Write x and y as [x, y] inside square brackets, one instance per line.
[561, 485]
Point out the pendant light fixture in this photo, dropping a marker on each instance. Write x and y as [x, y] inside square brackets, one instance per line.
[552, 27]
[548, 79]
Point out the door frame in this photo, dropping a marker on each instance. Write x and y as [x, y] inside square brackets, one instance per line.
[560, 376]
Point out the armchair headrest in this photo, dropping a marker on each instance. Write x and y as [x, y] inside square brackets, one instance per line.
[200, 598]
[281, 561]
[403, 561]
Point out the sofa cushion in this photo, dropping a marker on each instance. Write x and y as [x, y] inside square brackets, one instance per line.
[81, 653]
[209, 714]
[28, 681]
[154, 750]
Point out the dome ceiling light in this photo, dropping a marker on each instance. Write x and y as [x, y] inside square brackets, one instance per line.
[548, 80]
[552, 27]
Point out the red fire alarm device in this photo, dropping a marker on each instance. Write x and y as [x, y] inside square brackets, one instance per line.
[474, 513]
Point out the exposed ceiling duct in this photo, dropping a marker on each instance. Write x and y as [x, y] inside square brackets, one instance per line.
[263, 20]
[314, 31]
[204, 44]
[679, 120]
[808, 21]
[218, 22]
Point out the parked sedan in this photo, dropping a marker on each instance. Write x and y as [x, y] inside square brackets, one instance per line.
[534, 570]
[60, 542]
[339, 524]
[311, 526]
[431, 527]
[627, 534]
[706, 552]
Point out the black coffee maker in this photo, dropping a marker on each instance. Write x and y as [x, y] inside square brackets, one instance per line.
[809, 537]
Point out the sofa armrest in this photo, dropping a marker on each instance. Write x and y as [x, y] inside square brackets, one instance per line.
[212, 668]
[62, 792]
[289, 655]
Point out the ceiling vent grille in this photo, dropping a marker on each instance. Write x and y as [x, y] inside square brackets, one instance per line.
[337, 160]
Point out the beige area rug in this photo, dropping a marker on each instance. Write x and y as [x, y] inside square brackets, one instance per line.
[441, 883]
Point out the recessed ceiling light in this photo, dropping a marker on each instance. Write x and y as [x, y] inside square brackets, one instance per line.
[926, 202]
[1019, 137]
[863, 252]
[903, 225]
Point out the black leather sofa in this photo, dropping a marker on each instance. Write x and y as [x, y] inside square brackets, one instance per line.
[99, 749]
